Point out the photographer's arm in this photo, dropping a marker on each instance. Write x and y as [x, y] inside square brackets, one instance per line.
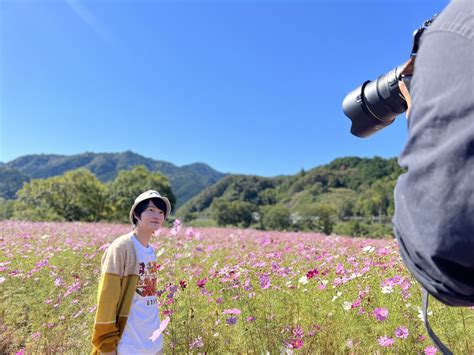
[434, 199]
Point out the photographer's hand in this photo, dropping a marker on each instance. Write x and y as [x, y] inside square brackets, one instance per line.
[406, 95]
[406, 71]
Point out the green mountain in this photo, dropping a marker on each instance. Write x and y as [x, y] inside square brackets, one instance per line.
[11, 180]
[347, 189]
[186, 181]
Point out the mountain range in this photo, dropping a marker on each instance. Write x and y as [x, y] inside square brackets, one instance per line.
[186, 181]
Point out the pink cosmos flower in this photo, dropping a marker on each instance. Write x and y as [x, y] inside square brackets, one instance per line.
[167, 312]
[232, 311]
[381, 314]
[298, 332]
[196, 343]
[297, 343]
[58, 282]
[401, 332]
[385, 341]
[430, 350]
[340, 270]
[312, 273]
[356, 303]
[250, 319]
[264, 281]
[201, 283]
[176, 227]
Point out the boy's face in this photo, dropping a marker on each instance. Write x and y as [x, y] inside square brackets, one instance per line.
[151, 218]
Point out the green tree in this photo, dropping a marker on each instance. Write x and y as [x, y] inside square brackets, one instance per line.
[277, 218]
[236, 213]
[317, 217]
[11, 180]
[6, 208]
[376, 201]
[129, 184]
[75, 196]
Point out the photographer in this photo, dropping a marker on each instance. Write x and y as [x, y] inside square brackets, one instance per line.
[434, 199]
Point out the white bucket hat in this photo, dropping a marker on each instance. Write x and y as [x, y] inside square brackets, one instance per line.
[149, 195]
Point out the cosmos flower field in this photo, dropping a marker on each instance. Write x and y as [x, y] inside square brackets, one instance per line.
[224, 290]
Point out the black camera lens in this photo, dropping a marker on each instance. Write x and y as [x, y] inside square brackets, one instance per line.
[374, 105]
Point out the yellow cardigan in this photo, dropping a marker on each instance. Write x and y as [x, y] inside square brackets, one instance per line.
[119, 277]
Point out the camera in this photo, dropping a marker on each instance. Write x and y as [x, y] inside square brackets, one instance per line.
[375, 104]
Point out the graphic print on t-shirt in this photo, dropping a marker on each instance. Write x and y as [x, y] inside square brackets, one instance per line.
[146, 285]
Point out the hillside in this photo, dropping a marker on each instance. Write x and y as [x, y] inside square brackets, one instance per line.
[347, 189]
[186, 181]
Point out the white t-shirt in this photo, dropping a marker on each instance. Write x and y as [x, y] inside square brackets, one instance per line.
[143, 319]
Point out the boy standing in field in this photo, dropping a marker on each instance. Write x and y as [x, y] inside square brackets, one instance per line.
[127, 311]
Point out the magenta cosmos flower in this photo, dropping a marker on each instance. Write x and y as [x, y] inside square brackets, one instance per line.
[401, 332]
[381, 313]
[201, 283]
[430, 350]
[232, 311]
[385, 341]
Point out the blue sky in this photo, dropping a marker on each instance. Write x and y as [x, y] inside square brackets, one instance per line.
[251, 87]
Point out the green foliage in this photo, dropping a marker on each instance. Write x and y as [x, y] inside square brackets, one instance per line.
[6, 208]
[360, 229]
[201, 222]
[129, 184]
[235, 213]
[75, 196]
[315, 217]
[79, 196]
[377, 200]
[253, 189]
[11, 180]
[319, 198]
[276, 218]
[185, 181]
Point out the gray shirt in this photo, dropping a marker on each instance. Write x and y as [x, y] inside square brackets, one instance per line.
[434, 199]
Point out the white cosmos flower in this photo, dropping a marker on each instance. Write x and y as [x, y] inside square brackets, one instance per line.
[421, 315]
[387, 289]
[160, 252]
[303, 280]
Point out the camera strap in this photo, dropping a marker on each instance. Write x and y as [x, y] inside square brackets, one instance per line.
[439, 344]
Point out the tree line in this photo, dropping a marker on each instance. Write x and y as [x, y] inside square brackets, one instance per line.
[78, 195]
[349, 196]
